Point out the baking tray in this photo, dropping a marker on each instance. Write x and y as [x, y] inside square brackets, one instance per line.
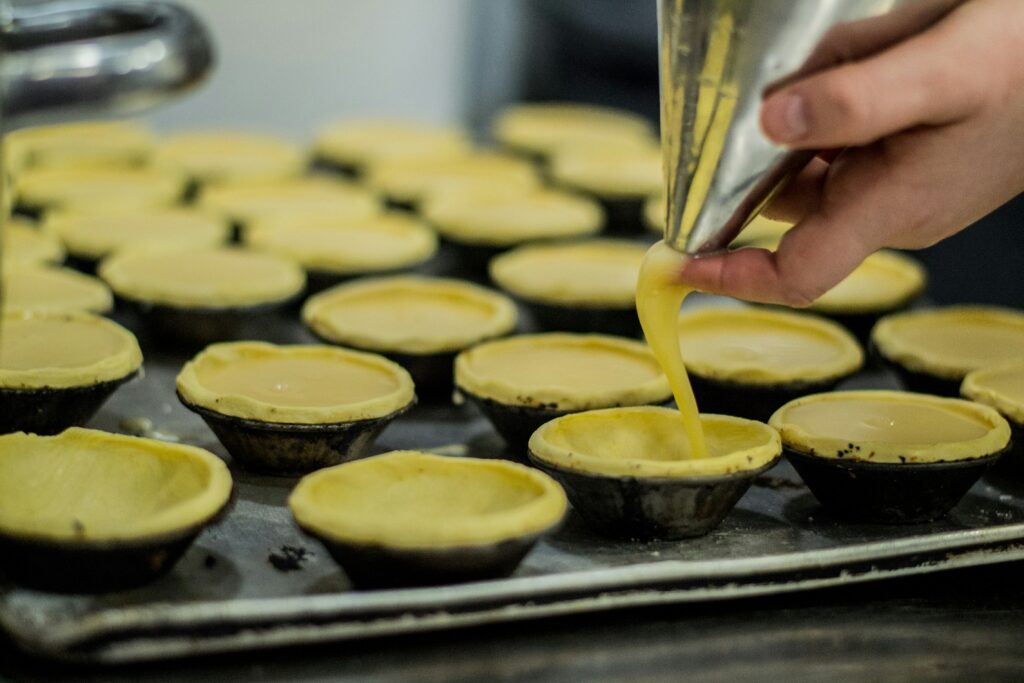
[254, 581]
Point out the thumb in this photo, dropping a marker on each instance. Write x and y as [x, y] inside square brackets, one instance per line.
[810, 260]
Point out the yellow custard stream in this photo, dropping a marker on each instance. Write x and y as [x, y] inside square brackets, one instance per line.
[659, 295]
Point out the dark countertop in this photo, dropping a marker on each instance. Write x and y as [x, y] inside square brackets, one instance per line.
[959, 625]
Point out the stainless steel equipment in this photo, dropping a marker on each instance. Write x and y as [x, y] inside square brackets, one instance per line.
[716, 59]
[65, 59]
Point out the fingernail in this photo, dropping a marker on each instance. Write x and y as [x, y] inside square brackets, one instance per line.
[785, 118]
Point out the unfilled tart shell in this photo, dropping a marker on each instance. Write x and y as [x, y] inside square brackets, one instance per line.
[41, 289]
[343, 246]
[412, 518]
[87, 510]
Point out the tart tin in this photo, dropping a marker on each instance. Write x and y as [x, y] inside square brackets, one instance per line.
[622, 322]
[378, 566]
[95, 566]
[752, 401]
[648, 508]
[389, 562]
[52, 410]
[636, 504]
[517, 423]
[916, 477]
[920, 382]
[888, 493]
[196, 326]
[290, 449]
[115, 560]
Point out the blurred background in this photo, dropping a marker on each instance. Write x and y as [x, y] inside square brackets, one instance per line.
[289, 67]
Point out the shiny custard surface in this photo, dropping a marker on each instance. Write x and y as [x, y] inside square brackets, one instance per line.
[298, 381]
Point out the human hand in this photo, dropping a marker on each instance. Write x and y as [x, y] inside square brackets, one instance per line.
[926, 132]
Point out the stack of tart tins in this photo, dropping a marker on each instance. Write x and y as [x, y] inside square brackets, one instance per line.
[420, 323]
[933, 350]
[57, 369]
[580, 286]
[293, 409]
[890, 457]
[521, 382]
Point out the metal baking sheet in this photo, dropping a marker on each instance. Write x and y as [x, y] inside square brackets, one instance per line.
[254, 581]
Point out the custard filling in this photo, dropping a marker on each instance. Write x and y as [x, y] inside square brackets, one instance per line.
[288, 199]
[432, 501]
[659, 296]
[595, 273]
[49, 350]
[950, 342]
[99, 188]
[411, 180]
[385, 242]
[562, 372]
[505, 218]
[37, 288]
[652, 442]
[766, 347]
[609, 173]
[409, 314]
[86, 485]
[890, 426]
[94, 234]
[294, 384]
[542, 128]
[213, 278]
[362, 142]
[224, 156]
